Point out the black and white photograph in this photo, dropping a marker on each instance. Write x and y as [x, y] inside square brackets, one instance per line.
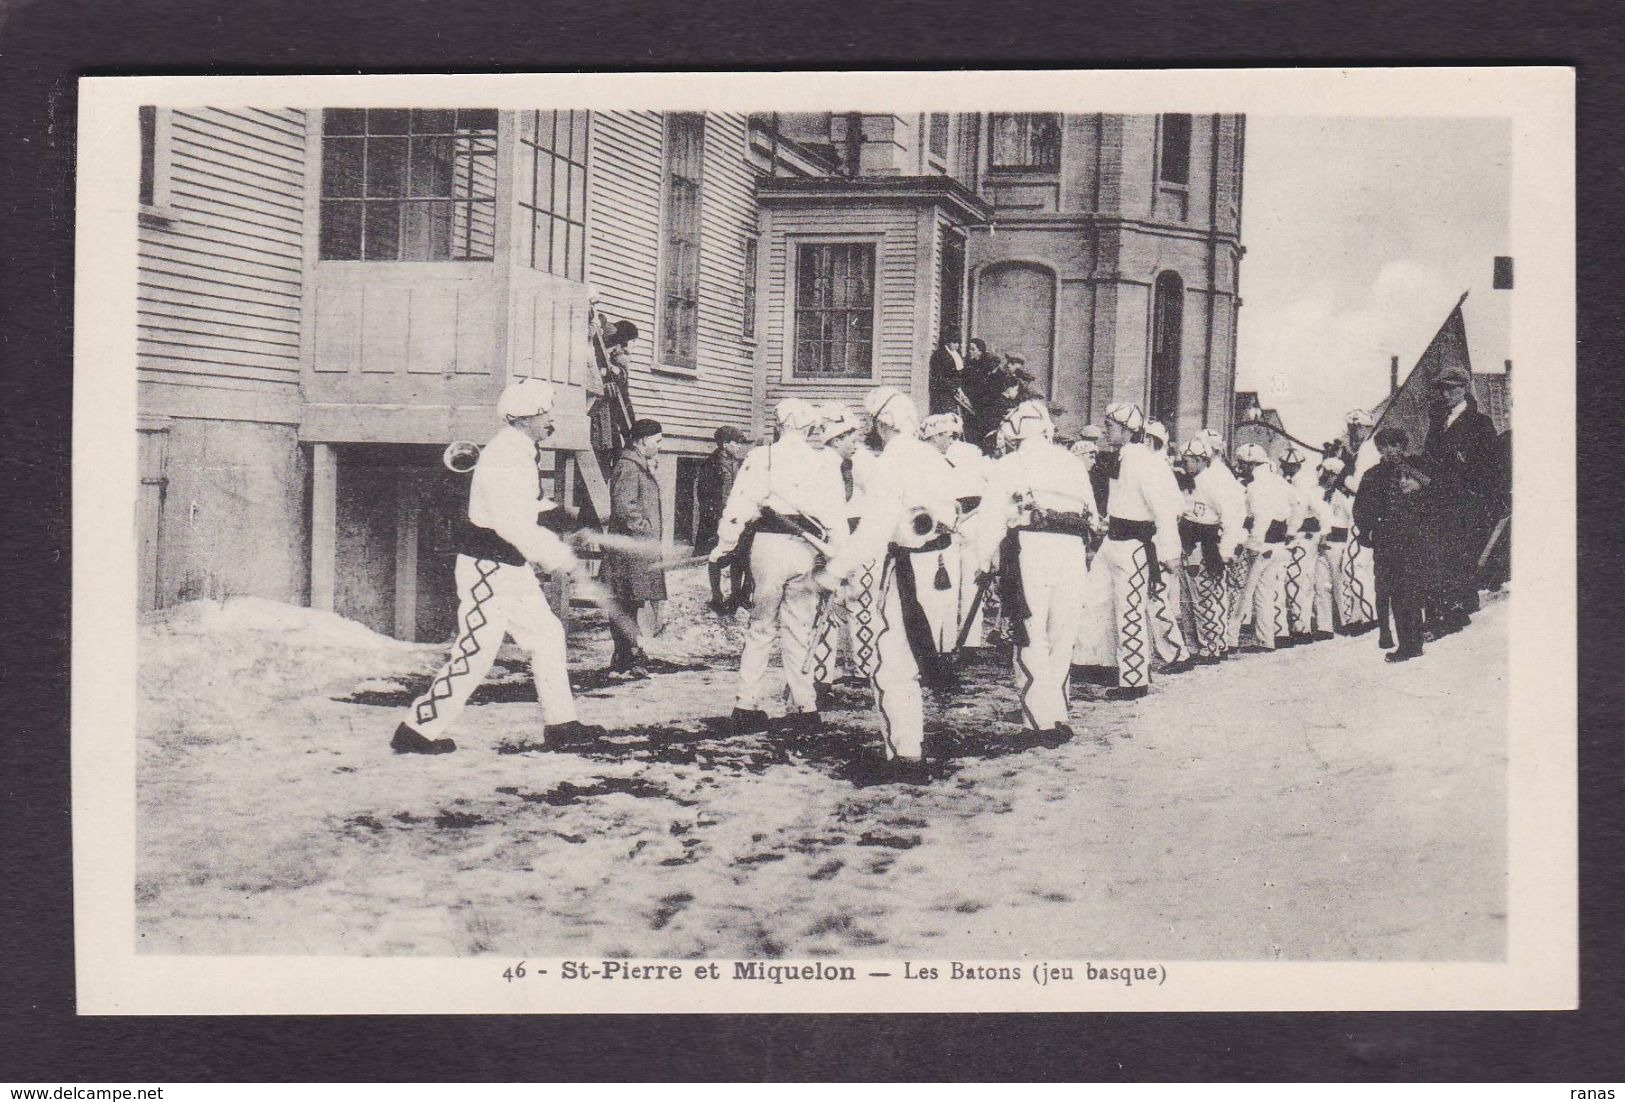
[1035, 541]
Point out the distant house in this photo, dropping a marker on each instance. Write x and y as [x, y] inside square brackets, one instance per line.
[328, 297]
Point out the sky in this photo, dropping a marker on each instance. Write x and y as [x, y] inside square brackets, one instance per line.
[1361, 234]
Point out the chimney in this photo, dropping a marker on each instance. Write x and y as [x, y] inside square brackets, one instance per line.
[1393, 375]
[1509, 372]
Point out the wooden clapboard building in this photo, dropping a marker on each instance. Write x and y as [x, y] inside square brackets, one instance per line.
[327, 298]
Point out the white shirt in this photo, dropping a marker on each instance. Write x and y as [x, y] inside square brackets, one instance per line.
[908, 474]
[506, 497]
[1038, 474]
[1269, 499]
[1213, 501]
[971, 469]
[790, 477]
[1145, 489]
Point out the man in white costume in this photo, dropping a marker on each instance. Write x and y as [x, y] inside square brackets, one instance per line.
[1269, 509]
[848, 635]
[1212, 530]
[905, 504]
[948, 609]
[1166, 633]
[790, 494]
[1142, 541]
[497, 540]
[1358, 583]
[1306, 528]
[1035, 524]
[1331, 608]
[1235, 577]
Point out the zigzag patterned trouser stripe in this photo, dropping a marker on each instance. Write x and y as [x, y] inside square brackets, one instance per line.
[1212, 612]
[1170, 641]
[1235, 584]
[1294, 588]
[862, 623]
[1130, 574]
[464, 651]
[1361, 607]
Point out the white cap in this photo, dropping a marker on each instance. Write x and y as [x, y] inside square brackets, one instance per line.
[1028, 420]
[1252, 453]
[1197, 446]
[1085, 447]
[1126, 414]
[838, 420]
[1358, 417]
[892, 408]
[1157, 431]
[795, 414]
[939, 423]
[1292, 457]
[1330, 463]
[525, 398]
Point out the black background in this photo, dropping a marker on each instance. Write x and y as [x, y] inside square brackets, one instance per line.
[45, 46]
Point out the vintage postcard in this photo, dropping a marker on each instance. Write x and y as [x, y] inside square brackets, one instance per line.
[825, 542]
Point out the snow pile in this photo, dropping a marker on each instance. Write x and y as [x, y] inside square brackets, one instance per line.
[207, 666]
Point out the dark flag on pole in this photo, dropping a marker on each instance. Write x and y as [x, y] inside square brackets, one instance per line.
[1408, 408]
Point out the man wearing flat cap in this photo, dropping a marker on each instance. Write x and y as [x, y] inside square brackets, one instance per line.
[497, 540]
[712, 484]
[634, 575]
[1459, 455]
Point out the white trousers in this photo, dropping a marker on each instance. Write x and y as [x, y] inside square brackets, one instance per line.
[942, 606]
[784, 605]
[898, 696]
[1263, 599]
[1325, 571]
[1358, 591]
[1166, 635]
[1212, 616]
[1127, 579]
[495, 600]
[848, 641]
[1054, 570]
[1298, 582]
[1236, 573]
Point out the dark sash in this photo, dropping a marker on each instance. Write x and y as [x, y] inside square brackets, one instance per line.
[1276, 532]
[916, 627]
[1012, 595]
[1206, 536]
[1141, 532]
[1337, 535]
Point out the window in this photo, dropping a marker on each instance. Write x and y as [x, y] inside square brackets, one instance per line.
[938, 142]
[1175, 165]
[1031, 142]
[748, 326]
[554, 148]
[835, 310]
[680, 268]
[1167, 336]
[408, 184]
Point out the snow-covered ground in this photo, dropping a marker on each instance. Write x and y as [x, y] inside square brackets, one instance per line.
[1312, 804]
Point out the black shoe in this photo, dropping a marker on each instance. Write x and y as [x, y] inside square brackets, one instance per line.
[852, 681]
[1184, 665]
[1346, 630]
[1094, 675]
[1404, 655]
[1058, 735]
[797, 723]
[1320, 636]
[1208, 659]
[1123, 692]
[1386, 642]
[823, 695]
[408, 741]
[572, 735]
[748, 721]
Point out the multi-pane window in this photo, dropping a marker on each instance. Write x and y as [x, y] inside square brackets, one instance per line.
[937, 141]
[554, 145]
[1175, 164]
[835, 310]
[403, 184]
[748, 325]
[1030, 142]
[680, 267]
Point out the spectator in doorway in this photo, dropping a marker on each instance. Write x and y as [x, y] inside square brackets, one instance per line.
[949, 378]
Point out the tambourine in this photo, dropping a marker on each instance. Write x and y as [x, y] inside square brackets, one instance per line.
[919, 527]
[460, 456]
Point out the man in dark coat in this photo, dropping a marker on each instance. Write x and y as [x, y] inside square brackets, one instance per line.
[634, 575]
[1460, 457]
[711, 488]
[949, 377]
[1391, 511]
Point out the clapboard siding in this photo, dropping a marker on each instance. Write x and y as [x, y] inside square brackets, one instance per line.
[624, 266]
[898, 263]
[220, 284]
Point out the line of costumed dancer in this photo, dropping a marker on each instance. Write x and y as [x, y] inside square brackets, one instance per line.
[879, 545]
